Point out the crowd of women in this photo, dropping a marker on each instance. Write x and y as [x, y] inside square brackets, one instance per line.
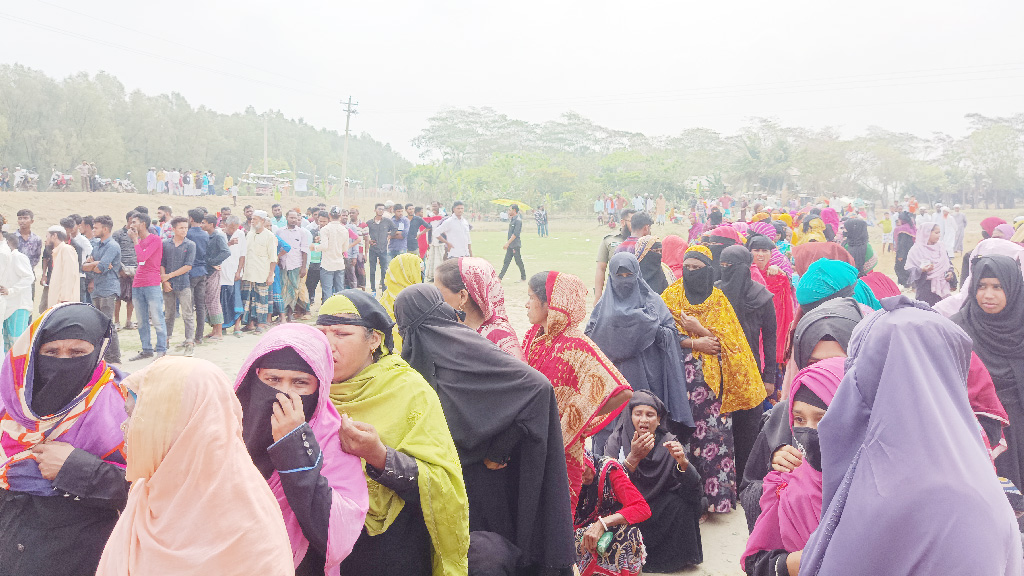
[763, 364]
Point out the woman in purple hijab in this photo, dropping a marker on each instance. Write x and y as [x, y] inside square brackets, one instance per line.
[907, 483]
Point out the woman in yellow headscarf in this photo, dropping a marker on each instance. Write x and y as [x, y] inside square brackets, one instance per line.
[403, 271]
[722, 376]
[418, 521]
[814, 231]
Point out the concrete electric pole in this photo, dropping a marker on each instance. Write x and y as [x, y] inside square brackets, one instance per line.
[349, 111]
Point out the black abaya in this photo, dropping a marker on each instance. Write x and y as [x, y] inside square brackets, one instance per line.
[904, 242]
[672, 533]
[500, 409]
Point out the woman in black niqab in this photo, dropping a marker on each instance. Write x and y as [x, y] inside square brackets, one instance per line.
[753, 305]
[652, 271]
[503, 417]
[698, 283]
[57, 382]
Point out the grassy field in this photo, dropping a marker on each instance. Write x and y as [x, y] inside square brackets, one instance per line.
[571, 247]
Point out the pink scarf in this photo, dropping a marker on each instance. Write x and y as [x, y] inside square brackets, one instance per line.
[777, 259]
[485, 289]
[343, 471]
[791, 501]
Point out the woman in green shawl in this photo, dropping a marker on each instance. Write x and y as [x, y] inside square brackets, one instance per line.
[418, 521]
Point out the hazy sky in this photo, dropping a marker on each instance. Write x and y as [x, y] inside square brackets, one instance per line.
[652, 67]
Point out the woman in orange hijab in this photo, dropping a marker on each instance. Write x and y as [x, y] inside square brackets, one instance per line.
[197, 505]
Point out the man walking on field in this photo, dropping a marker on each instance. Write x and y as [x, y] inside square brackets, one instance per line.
[513, 248]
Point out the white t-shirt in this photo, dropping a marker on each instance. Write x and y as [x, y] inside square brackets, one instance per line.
[229, 266]
[457, 232]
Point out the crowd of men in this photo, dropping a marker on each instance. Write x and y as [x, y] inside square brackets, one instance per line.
[219, 271]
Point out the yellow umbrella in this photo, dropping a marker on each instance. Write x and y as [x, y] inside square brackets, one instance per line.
[506, 202]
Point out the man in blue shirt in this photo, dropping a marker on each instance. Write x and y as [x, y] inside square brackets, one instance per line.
[102, 268]
[397, 243]
[197, 276]
[179, 256]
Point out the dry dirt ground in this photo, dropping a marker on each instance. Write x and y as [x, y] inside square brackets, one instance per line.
[571, 247]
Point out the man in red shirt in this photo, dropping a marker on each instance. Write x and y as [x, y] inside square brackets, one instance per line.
[146, 293]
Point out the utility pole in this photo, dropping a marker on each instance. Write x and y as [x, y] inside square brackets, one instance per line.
[349, 111]
[265, 163]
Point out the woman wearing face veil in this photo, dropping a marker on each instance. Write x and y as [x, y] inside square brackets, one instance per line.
[791, 501]
[290, 428]
[820, 334]
[755, 311]
[197, 505]
[62, 479]
[993, 316]
[889, 505]
[634, 328]
[503, 418]
[656, 463]
[721, 374]
[648, 253]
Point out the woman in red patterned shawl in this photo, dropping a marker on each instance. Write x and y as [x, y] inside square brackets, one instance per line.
[589, 390]
[471, 286]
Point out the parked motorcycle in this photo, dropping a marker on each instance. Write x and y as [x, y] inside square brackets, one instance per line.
[26, 180]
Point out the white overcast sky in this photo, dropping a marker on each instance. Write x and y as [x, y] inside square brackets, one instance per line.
[646, 66]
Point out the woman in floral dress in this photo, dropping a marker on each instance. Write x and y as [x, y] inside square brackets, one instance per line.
[721, 374]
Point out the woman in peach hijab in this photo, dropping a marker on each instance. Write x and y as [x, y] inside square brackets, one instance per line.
[197, 504]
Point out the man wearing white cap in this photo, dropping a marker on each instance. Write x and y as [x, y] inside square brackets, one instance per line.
[948, 227]
[961, 224]
[64, 283]
[258, 275]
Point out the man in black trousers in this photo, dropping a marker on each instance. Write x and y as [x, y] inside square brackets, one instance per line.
[513, 248]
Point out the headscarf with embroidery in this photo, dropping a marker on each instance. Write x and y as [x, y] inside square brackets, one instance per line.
[583, 377]
[484, 287]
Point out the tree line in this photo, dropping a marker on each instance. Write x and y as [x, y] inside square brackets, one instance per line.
[47, 123]
[478, 154]
[481, 153]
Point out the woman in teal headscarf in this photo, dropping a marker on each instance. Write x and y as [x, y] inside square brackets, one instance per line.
[827, 279]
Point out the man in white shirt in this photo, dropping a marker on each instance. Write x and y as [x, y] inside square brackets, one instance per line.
[333, 247]
[258, 273]
[294, 263]
[231, 275]
[453, 232]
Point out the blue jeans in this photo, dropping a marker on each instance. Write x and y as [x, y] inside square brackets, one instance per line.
[384, 260]
[149, 308]
[331, 281]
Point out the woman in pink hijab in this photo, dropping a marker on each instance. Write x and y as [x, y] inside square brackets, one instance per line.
[197, 505]
[290, 428]
[471, 286]
[791, 501]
